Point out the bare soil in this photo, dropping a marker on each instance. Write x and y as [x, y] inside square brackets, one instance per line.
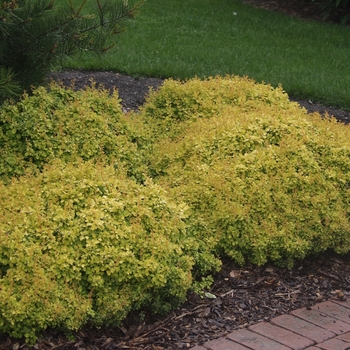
[243, 295]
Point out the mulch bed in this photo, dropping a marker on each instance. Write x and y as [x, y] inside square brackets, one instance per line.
[243, 295]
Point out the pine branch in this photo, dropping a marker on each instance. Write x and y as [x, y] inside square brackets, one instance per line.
[9, 87]
[35, 34]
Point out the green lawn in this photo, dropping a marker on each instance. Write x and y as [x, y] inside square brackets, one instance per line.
[183, 39]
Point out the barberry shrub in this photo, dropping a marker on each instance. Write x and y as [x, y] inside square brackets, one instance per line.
[169, 110]
[81, 243]
[86, 236]
[264, 180]
[56, 122]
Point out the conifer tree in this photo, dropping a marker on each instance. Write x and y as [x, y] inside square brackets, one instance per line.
[35, 34]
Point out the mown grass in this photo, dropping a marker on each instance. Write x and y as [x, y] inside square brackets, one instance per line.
[183, 39]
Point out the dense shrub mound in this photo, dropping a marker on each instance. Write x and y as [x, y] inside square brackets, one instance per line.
[80, 243]
[263, 179]
[103, 213]
[62, 123]
[170, 109]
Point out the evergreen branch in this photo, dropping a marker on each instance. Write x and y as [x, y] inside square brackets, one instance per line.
[35, 34]
[9, 87]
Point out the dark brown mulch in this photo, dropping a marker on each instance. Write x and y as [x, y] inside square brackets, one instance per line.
[244, 295]
[132, 91]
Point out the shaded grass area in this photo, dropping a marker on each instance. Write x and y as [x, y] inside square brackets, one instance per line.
[218, 37]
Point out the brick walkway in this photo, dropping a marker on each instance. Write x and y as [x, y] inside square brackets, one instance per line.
[326, 326]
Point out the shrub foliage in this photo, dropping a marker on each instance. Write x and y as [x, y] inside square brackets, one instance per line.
[83, 243]
[60, 123]
[267, 181]
[104, 213]
[169, 110]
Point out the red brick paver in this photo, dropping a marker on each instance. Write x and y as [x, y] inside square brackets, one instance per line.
[223, 344]
[326, 326]
[345, 303]
[345, 337]
[334, 344]
[338, 311]
[255, 341]
[306, 329]
[281, 335]
[323, 320]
